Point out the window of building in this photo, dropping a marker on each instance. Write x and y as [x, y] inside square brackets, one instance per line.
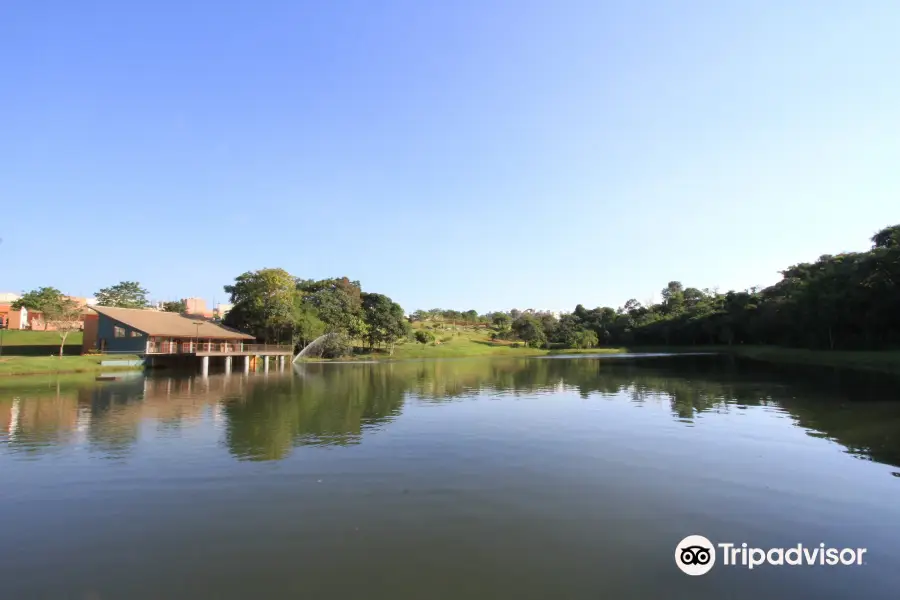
[136, 333]
[118, 331]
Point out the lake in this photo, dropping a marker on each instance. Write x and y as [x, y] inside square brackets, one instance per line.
[483, 478]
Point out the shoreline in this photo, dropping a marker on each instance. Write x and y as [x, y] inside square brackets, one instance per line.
[880, 361]
[14, 366]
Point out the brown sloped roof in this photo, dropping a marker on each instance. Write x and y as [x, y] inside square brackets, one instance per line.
[155, 322]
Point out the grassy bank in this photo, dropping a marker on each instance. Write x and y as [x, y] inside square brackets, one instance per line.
[35, 365]
[468, 342]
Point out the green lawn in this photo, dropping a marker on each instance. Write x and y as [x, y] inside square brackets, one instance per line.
[27, 365]
[15, 337]
[473, 342]
[470, 342]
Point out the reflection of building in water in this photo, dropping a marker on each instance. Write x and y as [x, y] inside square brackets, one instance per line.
[49, 421]
[108, 416]
[13, 418]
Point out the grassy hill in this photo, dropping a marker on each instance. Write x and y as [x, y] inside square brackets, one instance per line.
[456, 341]
[459, 341]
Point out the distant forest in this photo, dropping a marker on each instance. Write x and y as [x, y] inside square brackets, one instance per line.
[844, 301]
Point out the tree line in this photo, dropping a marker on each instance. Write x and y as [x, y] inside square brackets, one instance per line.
[848, 301]
[844, 301]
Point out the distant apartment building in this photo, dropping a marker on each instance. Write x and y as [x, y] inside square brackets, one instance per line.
[82, 301]
[222, 309]
[197, 306]
[8, 297]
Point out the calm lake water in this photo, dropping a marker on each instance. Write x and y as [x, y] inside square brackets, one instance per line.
[508, 478]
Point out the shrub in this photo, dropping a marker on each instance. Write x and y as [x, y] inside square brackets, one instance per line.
[423, 337]
[336, 346]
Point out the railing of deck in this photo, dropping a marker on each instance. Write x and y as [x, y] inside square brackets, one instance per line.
[213, 347]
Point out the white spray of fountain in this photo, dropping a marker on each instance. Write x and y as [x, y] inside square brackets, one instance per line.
[315, 347]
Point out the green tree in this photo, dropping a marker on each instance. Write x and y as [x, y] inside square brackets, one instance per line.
[529, 330]
[336, 345]
[177, 306]
[59, 312]
[673, 297]
[889, 237]
[385, 320]
[38, 299]
[501, 322]
[125, 294]
[424, 337]
[586, 338]
[264, 304]
[306, 323]
[338, 303]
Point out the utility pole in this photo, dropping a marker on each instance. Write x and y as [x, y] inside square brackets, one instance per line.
[197, 343]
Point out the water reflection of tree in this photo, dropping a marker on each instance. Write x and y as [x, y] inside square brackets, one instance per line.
[329, 404]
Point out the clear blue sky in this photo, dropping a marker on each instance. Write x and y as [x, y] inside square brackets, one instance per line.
[466, 154]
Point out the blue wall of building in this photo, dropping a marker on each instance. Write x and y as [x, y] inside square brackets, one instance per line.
[124, 345]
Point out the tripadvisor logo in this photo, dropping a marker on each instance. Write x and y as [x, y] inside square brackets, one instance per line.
[696, 555]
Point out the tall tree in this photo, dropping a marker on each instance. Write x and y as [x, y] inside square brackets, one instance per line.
[263, 304]
[64, 316]
[125, 294]
[673, 297]
[385, 320]
[38, 299]
[338, 303]
[501, 322]
[529, 330]
[889, 237]
[307, 325]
